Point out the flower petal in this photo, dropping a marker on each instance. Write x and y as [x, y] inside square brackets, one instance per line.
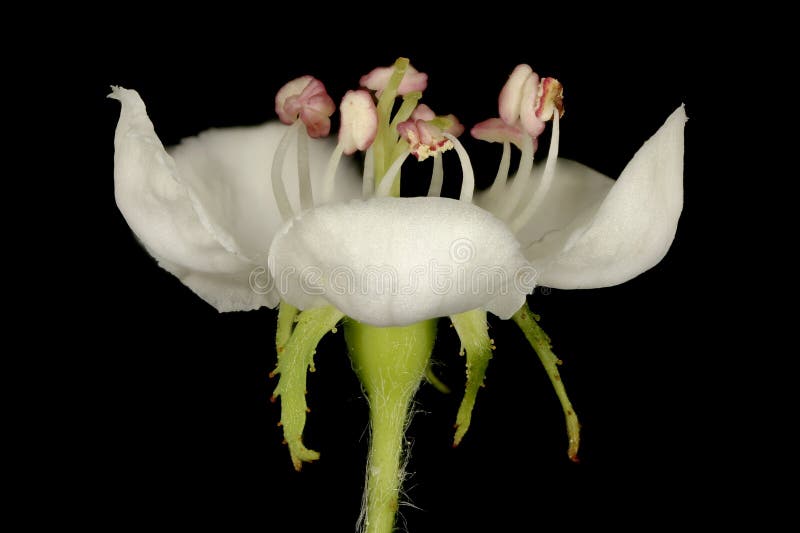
[576, 189]
[396, 261]
[207, 215]
[228, 172]
[611, 241]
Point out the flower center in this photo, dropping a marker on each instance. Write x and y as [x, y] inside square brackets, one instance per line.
[391, 348]
[369, 124]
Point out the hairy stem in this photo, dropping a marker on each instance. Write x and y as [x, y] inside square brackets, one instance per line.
[391, 363]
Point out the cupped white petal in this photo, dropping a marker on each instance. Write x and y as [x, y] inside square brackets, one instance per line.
[227, 171]
[396, 261]
[576, 190]
[593, 232]
[189, 209]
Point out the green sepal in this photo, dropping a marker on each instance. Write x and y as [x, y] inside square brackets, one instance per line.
[540, 341]
[293, 362]
[474, 334]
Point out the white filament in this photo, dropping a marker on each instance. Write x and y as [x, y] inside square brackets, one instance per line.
[385, 186]
[437, 177]
[468, 175]
[521, 178]
[329, 179]
[368, 182]
[303, 173]
[544, 184]
[500, 180]
[278, 187]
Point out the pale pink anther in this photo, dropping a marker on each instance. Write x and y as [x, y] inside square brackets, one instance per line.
[510, 99]
[378, 78]
[551, 99]
[423, 112]
[495, 130]
[447, 123]
[306, 98]
[359, 121]
[529, 101]
[528, 104]
[454, 126]
[424, 139]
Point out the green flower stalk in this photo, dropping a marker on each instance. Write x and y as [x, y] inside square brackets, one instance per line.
[391, 364]
[275, 216]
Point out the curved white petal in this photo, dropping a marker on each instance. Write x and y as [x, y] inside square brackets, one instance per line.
[576, 190]
[396, 261]
[592, 232]
[198, 213]
[227, 172]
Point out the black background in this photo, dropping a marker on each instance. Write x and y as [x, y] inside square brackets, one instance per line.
[167, 421]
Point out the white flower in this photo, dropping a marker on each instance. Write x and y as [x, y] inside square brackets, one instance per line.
[207, 213]
[205, 209]
[220, 208]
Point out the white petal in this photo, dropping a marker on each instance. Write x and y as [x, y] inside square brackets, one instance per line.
[593, 243]
[396, 261]
[227, 172]
[576, 190]
[164, 203]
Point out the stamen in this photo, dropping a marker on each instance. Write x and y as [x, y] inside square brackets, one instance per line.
[501, 179]
[437, 177]
[329, 179]
[544, 184]
[368, 182]
[358, 131]
[520, 178]
[385, 186]
[424, 139]
[278, 187]
[304, 182]
[510, 100]
[467, 174]
[378, 79]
